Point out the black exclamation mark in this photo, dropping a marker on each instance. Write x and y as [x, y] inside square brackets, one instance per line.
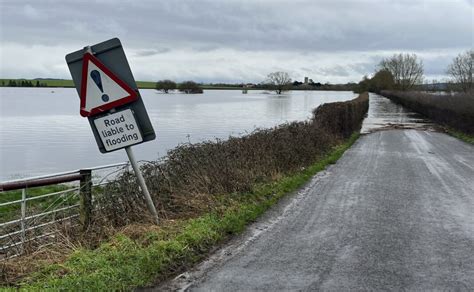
[95, 75]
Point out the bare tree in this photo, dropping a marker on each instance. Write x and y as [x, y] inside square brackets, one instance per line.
[165, 85]
[279, 81]
[462, 69]
[406, 70]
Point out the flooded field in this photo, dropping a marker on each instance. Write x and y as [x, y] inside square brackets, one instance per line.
[42, 132]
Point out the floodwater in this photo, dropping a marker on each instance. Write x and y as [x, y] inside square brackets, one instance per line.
[383, 114]
[41, 131]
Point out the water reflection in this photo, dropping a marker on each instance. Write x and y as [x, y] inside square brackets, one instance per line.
[42, 132]
[384, 113]
[278, 106]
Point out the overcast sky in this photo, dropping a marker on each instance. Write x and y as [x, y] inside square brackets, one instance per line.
[235, 41]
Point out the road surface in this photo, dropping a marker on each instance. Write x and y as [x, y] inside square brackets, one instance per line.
[396, 212]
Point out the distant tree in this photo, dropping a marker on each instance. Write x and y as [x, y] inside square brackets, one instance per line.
[461, 69]
[382, 80]
[38, 83]
[3, 83]
[165, 85]
[431, 85]
[363, 85]
[279, 81]
[190, 87]
[406, 69]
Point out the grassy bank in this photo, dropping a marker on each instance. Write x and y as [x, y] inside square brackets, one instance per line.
[138, 259]
[43, 82]
[455, 111]
[69, 83]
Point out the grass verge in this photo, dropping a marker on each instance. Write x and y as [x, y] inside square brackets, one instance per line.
[460, 135]
[125, 262]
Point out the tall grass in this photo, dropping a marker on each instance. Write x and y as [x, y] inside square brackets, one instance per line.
[455, 110]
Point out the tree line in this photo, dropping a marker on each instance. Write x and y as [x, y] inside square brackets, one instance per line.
[400, 72]
[22, 83]
[405, 72]
[189, 87]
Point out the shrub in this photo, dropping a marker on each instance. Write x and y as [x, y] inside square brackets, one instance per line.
[190, 87]
[165, 85]
[456, 110]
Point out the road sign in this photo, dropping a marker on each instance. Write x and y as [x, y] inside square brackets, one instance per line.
[102, 90]
[111, 101]
[118, 130]
[114, 63]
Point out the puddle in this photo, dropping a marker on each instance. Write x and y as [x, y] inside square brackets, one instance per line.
[384, 114]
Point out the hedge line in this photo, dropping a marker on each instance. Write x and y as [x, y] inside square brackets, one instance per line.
[456, 110]
[181, 182]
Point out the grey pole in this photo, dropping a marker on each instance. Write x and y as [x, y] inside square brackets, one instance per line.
[141, 182]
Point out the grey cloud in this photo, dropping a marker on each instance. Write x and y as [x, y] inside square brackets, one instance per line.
[205, 48]
[363, 68]
[252, 25]
[31, 13]
[147, 53]
[336, 70]
[152, 28]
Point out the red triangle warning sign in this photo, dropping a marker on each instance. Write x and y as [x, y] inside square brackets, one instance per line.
[101, 89]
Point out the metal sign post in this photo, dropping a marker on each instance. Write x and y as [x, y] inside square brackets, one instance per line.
[141, 182]
[111, 101]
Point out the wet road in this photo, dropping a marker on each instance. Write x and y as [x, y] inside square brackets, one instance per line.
[384, 114]
[394, 213]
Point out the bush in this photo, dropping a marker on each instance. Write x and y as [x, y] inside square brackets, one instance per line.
[190, 87]
[455, 110]
[165, 85]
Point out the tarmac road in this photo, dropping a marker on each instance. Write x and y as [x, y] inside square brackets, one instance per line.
[395, 213]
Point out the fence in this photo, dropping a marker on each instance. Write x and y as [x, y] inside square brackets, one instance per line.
[32, 209]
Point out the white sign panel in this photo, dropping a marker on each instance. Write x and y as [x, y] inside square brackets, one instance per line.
[118, 130]
[101, 89]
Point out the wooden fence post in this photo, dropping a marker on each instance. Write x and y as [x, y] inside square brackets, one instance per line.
[85, 194]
